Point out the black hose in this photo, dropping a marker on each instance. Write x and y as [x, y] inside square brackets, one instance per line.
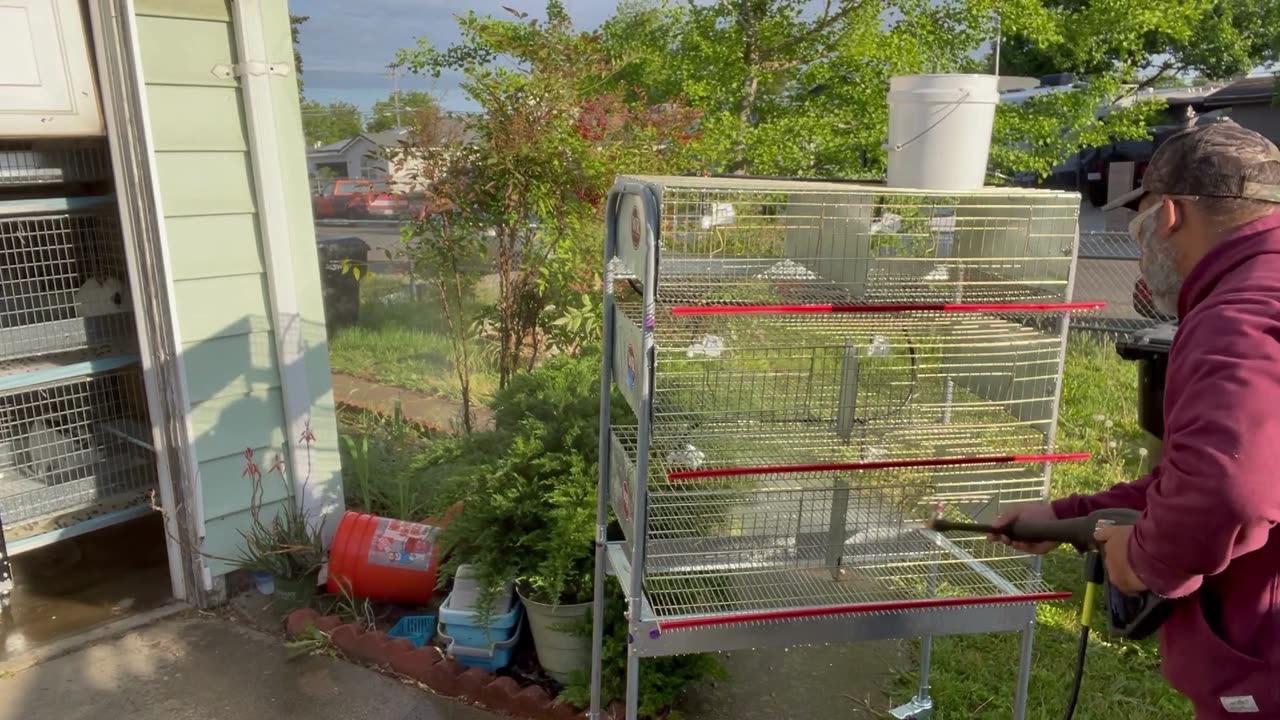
[1075, 681]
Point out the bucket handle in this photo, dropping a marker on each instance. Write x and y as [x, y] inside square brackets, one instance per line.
[954, 106]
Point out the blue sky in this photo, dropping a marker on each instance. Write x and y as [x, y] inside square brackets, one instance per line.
[346, 45]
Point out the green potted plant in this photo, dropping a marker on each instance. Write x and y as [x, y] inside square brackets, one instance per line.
[528, 506]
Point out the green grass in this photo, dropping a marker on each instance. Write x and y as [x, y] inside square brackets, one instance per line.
[973, 676]
[405, 343]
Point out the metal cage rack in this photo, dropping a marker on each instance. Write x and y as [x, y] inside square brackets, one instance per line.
[63, 278]
[816, 369]
[75, 438]
[24, 163]
[72, 438]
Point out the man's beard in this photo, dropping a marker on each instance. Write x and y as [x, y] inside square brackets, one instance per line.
[1159, 268]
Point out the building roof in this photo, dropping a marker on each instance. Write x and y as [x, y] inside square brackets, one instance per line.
[1246, 91]
[453, 125]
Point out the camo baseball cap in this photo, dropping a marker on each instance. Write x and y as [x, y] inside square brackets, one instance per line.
[1219, 159]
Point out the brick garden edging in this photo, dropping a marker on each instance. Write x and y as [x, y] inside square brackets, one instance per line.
[428, 666]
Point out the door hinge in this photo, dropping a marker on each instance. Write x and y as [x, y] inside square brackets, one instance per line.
[226, 72]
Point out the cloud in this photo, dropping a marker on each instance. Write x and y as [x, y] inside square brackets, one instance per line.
[347, 46]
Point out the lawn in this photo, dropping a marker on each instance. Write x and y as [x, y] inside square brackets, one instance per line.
[973, 676]
[405, 343]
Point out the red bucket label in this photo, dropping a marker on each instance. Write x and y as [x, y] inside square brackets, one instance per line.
[401, 544]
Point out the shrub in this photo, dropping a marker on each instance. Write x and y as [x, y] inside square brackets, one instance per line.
[662, 679]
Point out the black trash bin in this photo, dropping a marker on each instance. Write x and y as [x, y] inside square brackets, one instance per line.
[1149, 347]
[339, 285]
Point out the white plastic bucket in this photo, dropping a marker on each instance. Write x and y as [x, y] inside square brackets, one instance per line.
[940, 130]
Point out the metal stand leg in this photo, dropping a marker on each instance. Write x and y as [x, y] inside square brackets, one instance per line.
[633, 686]
[921, 706]
[1024, 672]
[1024, 659]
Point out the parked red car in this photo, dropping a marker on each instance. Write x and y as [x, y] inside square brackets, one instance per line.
[335, 198]
[378, 202]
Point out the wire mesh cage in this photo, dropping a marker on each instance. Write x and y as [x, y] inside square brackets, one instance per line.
[53, 162]
[817, 369]
[80, 443]
[63, 279]
[755, 242]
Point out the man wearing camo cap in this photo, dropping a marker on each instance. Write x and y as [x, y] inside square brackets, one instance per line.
[1208, 230]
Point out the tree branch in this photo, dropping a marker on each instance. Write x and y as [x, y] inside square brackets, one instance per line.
[819, 26]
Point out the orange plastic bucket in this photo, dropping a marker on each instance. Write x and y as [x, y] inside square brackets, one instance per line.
[384, 559]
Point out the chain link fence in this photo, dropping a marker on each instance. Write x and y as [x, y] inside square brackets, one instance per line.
[1107, 270]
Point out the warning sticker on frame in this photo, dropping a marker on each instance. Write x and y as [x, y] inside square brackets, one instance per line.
[632, 233]
[402, 544]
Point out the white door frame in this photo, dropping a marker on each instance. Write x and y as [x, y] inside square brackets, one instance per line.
[115, 38]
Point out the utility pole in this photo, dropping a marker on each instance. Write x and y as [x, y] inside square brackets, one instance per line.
[996, 71]
[394, 71]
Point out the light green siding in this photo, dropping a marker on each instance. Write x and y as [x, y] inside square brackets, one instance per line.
[216, 254]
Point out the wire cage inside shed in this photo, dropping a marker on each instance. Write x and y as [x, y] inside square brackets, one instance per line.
[72, 443]
[63, 280]
[75, 437]
[817, 369]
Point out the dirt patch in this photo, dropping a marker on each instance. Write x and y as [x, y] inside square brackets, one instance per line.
[432, 412]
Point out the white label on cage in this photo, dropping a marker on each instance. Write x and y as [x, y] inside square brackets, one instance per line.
[709, 345]
[101, 297]
[630, 233]
[1240, 704]
[721, 214]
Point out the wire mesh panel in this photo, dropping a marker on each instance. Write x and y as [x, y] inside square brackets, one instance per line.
[854, 373]
[1108, 270]
[73, 444]
[742, 242]
[63, 280]
[49, 162]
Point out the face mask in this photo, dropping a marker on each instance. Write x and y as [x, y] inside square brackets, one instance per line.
[1157, 262]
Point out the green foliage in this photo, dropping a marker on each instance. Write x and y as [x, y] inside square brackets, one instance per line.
[386, 113]
[548, 141]
[295, 30]
[1136, 41]
[661, 679]
[1040, 132]
[325, 124]
[529, 487]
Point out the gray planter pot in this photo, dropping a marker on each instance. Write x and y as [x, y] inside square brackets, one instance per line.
[561, 652]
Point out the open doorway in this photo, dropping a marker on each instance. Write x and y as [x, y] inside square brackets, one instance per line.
[81, 543]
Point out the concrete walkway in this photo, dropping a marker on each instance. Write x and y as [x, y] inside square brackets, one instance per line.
[189, 668]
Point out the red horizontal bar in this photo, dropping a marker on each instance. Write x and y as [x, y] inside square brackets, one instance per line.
[858, 609]
[882, 308]
[875, 465]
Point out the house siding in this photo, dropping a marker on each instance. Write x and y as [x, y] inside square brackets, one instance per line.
[206, 184]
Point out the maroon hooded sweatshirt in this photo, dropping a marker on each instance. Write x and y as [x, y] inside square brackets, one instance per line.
[1208, 508]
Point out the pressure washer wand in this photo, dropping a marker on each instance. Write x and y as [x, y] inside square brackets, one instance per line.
[1077, 532]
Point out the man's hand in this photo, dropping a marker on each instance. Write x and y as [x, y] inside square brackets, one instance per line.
[1115, 554]
[1029, 511]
